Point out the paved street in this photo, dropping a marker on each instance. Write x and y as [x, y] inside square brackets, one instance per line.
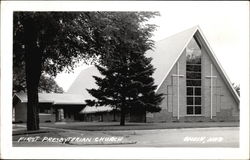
[186, 137]
[193, 137]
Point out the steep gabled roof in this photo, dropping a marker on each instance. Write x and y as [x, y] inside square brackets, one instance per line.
[54, 98]
[165, 55]
[202, 39]
[169, 50]
[84, 81]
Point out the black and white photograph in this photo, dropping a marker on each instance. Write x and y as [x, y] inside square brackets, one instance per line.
[154, 77]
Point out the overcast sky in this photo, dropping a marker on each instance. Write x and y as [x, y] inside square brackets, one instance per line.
[224, 24]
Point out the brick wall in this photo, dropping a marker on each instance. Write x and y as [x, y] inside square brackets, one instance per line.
[20, 112]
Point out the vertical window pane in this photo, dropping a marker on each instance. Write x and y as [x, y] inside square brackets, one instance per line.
[190, 101]
[197, 109]
[190, 91]
[190, 110]
[197, 91]
[197, 100]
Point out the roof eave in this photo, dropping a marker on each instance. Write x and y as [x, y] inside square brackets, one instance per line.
[218, 65]
[211, 55]
[176, 60]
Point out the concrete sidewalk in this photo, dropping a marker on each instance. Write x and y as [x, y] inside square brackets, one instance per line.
[106, 126]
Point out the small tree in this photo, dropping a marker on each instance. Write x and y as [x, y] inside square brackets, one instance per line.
[127, 81]
[46, 84]
[237, 88]
[130, 88]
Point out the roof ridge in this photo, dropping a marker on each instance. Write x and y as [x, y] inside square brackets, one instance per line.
[196, 27]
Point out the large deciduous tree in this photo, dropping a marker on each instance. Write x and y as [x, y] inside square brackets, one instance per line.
[127, 81]
[49, 42]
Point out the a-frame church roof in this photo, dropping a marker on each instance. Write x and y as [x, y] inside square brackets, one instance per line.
[165, 54]
[167, 51]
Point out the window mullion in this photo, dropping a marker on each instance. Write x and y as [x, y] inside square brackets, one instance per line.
[193, 72]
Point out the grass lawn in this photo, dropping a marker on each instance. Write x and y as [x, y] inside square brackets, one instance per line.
[106, 126]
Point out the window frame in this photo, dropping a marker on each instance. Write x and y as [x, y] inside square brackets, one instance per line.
[192, 68]
[193, 96]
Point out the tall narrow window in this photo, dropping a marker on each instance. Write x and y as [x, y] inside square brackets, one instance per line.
[193, 78]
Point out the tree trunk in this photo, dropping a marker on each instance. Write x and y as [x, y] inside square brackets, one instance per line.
[33, 72]
[122, 122]
[123, 113]
[32, 109]
[114, 115]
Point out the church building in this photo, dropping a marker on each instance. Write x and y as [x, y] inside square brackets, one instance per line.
[195, 86]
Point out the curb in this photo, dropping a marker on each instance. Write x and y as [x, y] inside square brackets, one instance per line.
[119, 143]
[29, 132]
